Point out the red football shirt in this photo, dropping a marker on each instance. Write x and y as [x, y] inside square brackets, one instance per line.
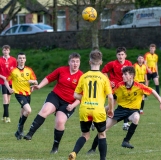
[6, 65]
[66, 83]
[114, 69]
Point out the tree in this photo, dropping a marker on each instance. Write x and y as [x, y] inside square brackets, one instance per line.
[11, 13]
[99, 5]
[147, 3]
[15, 6]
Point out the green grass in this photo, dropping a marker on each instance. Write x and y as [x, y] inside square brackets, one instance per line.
[146, 139]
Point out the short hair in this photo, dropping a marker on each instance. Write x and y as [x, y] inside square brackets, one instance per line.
[140, 55]
[95, 57]
[6, 47]
[120, 49]
[152, 45]
[129, 69]
[21, 53]
[74, 55]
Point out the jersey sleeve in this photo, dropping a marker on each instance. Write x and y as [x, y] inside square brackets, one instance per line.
[33, 76]
[107, 67]
[108, 89]
[146, 90]
[53, 75]
[79, 88]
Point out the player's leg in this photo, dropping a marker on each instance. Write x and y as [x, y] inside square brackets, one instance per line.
[6, 101]
[156, 82]
[25, 111]
[62, 115]
[109, 123]
[102, 144]
[48, 108]
[142, 105]
[134, 118]
[85, 128]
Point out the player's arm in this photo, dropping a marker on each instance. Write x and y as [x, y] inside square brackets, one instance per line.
[43, 83]
[70, 107]
[77, 96]
[146, 79]
[7, 86]
[3, 77]
[157, 96]
[110, 105]
[33, 82]
[156, 66]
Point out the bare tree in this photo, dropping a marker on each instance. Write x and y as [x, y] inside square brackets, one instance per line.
[15, 6]
[99, 5]
[11, 14]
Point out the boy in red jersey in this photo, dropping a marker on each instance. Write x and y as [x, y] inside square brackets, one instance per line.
[21, 76]
[114, 70]
[151, 62]
[7, 63]
[129, 95]
[95, 87]
[140, 75]
[60, 100]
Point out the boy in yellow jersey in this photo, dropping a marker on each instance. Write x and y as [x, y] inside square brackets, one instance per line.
[151, 62]
[92, 89]
[140, 75]
[21, 76]
[129, 95]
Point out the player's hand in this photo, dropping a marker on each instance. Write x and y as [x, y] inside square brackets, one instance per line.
[11, 90]
[34, 87]
[149, 71]
[110, 113]
[70, 107]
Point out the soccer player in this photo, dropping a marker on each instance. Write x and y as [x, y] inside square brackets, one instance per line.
[140, 75]
[114, 70]
[21, 76]
[7, 63]
[129, 95]
[95, 87]
[60, 100]
[151, 62]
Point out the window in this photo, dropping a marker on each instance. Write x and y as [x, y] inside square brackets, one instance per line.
[12, 30]
[24, 29]
[61, 20]
[105, 18]
[19, 19]
[127, 19]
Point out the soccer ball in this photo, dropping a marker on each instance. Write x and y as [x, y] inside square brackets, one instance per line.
[89, 14]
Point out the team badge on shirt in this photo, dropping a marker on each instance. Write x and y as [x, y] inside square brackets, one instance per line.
[74, 81]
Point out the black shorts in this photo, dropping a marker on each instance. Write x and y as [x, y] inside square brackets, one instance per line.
[151, 76]
[59, 103]
[23, 99]
[5, 90]
[85, 126]
[121, 113]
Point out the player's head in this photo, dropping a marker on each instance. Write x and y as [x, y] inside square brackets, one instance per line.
[152, 48]
[128, 73]
[140, 59]
[6, 50]
[95, 57]
[21, 58]
[121, 54]
[74, 61]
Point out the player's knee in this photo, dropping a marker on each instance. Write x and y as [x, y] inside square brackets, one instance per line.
[136, 118]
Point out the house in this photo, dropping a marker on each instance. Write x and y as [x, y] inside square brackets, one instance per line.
[42, 11]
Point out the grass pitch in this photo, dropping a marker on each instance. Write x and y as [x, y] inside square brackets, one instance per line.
[146, 140]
